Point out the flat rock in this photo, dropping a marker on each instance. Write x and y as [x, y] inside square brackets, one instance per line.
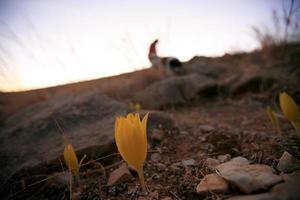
[288, 190]
[119, 175]
[248, 178]
[212, 183]
[288, 163]
[264, 196]
[32, 144]
[176, 91]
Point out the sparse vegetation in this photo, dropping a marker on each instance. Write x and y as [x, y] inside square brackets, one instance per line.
[205, 129]
[286, 28]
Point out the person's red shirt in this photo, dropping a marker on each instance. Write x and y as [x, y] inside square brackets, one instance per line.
[152, 49]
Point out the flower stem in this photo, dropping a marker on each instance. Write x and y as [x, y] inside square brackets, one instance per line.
[140, 172]
[297, 127]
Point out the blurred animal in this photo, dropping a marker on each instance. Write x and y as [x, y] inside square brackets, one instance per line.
[167, 65]
[172, 64]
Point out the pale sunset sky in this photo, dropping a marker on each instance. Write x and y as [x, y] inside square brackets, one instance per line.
[50, 42]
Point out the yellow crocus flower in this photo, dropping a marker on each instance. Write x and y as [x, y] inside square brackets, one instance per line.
[71, 159]
[131, 141]
[273, 119]
[289, 107]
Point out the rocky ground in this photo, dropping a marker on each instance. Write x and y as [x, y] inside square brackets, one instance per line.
[208, 133]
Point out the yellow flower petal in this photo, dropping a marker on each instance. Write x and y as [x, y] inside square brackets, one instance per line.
[130, 117]
[289, 107]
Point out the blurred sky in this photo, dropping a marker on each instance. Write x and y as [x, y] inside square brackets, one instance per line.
[49, 42]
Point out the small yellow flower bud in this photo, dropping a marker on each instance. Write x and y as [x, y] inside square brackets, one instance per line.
[71, 159]
[273, 119]
[289, 107]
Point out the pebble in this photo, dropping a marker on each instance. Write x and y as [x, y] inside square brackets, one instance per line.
[212, 183]
[155, 157]
[224, 158]
[248, 178]
[288, 163]
[207, 128]
[240, 160]
[190, 162]
[161, 166]
[119, 175]
[142, 198]
[201, 155]
[211, 163]
[167, 198]
[207, 147]
[153, 195]
[157, 135]
[174, 167]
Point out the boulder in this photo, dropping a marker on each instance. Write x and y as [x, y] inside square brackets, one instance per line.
[32, 140]
[176, 91]
[203, 68]
[32, 144]
[251, 82]
[160, 120]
